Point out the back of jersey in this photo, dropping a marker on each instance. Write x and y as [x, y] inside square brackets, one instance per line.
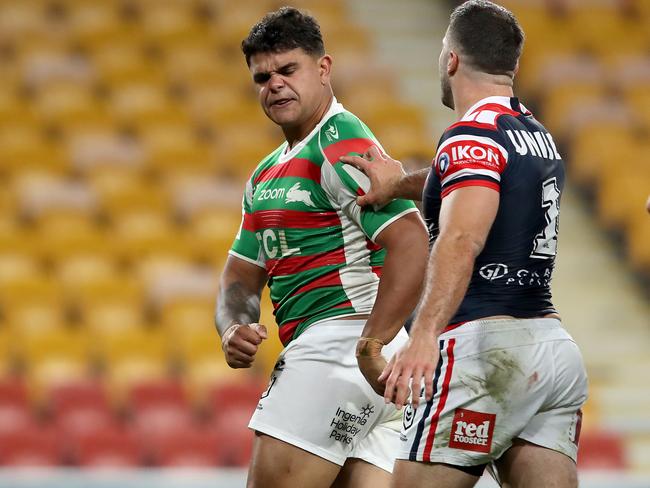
[500, 145]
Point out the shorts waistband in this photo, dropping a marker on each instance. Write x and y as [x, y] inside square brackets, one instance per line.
[494, 325]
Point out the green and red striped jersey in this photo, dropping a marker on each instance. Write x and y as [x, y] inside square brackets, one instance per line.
[302, 224]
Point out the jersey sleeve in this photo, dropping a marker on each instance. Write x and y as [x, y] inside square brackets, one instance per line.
[246, 245]
[470, 157]
[344, 183]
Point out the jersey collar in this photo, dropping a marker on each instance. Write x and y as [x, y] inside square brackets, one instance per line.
[511, 103]
[335, 108]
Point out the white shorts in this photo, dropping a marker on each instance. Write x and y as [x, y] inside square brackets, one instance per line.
[498, 380]
[319, 401]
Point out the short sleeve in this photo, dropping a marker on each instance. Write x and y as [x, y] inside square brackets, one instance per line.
[246, 245]
[344, 183]
[465, 158]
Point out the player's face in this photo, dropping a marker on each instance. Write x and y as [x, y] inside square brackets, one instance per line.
[445, 84]
[290, 85]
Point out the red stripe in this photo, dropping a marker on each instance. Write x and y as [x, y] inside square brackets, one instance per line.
[476, 125]
[345, 304]
[377, 270]
[296, 167]
[444, 392]
[495, 107]
[287, 329]
[371, 246]
[248, 223]
[462, 184]
[342, 148]
[330, 279]
[453, 326]
[294, 264]
[294, 219]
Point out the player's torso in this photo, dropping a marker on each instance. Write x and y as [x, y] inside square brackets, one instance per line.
[512, 274]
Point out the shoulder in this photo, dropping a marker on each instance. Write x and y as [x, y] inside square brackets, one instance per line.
[266, 162]
[344, 133]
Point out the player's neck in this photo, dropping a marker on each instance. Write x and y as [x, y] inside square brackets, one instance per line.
[469, 93]
[295, 134]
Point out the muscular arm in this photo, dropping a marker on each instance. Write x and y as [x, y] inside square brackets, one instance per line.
[239, 294]
[466, 217]
[406, 243]
[238, 310]
[411, 185]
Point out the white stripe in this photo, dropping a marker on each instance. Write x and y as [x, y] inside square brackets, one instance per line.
[467, 138]
[393, 219]
[248, 260]
[471, 172]
[487, 117]
[358, 176]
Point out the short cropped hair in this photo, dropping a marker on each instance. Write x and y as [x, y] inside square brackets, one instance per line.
[488, 34]
[283, 30]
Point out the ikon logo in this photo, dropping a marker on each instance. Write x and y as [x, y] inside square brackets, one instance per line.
[472, 431]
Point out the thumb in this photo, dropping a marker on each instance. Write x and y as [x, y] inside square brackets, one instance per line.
[362, 200]
[261, 330]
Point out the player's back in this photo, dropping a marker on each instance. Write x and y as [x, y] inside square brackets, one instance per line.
[499, 144]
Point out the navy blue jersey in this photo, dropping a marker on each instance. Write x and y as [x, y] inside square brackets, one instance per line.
[500, 145]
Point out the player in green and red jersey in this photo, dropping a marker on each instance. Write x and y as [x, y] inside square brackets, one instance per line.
[333, 268]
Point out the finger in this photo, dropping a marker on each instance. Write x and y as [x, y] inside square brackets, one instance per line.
[237, 355]
[261, 330]
[416, 381]
[247, 333]
[357, 162]
[387, 370]
[374, 153]
[402, 388]
[389, 395]
[428, 384]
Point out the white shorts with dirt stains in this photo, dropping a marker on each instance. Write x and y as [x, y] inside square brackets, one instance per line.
[499, 380]
[319, 401]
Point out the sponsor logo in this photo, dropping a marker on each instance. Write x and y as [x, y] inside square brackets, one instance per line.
[277, 369]
[408, 417]
[271, 194]
[443, 162]
[269, 240]
[493, 271]
[295, 194]
[345, 425]
[472, 431]
[471, 152]
[332, 132]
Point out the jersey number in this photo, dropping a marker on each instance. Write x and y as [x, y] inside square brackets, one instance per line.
[545, 245]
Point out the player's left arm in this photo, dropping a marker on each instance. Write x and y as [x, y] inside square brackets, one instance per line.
[406, 244]
[466, 217]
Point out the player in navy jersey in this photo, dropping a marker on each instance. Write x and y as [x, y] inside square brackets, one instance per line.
[494, 376]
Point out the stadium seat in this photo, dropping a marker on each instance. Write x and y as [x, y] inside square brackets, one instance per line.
[171, 146]
[236, 440]
[149, 395]
[192, 447]
[32, 446]
[601, 450]
[107, 448]
[242, 395]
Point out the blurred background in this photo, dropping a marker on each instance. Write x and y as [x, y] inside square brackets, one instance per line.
[127, 130]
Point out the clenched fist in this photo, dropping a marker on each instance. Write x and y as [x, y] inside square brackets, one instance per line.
[240, 343]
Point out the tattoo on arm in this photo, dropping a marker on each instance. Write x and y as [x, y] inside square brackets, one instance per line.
[237, 305]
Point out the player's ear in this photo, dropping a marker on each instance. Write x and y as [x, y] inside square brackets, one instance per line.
[325, 69]
[452, 63]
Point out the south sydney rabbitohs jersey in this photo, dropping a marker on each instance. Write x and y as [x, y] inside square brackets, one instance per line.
[498, 144]
[301, 224]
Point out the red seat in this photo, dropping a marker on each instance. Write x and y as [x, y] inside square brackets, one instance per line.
[601, 450]
[235, 438]
[13, 393]
[15, 411]
[192, 447]
[107, 448]
[157, 393]
[31, 446]
[236, 396]
[75, 395]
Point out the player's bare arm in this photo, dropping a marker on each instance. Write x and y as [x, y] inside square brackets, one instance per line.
[466, 217]
[238, 311]
[406, 244]
[388, 180]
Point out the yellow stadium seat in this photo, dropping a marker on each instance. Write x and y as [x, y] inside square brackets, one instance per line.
[85, 269]
[15, 266]
[621, 196]
[564, 99]
[25, 147]
[126, 193]
[7, 365]
[111, 315]
[222, 103]
[193, 64]
[35, 315]
[95, 24]
[64, 343]
[139, 104]
[30, 289]
[64, 234]
[201, 376]
[124, 62]
[14, 111]
[183, 316]
[144, 341]
[198, 345]
[44, 375]
[175, 146]
[212, 232]
[169, 22]
[64, 103]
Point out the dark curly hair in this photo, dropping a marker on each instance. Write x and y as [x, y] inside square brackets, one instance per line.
[488, 34]
[283, 30]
